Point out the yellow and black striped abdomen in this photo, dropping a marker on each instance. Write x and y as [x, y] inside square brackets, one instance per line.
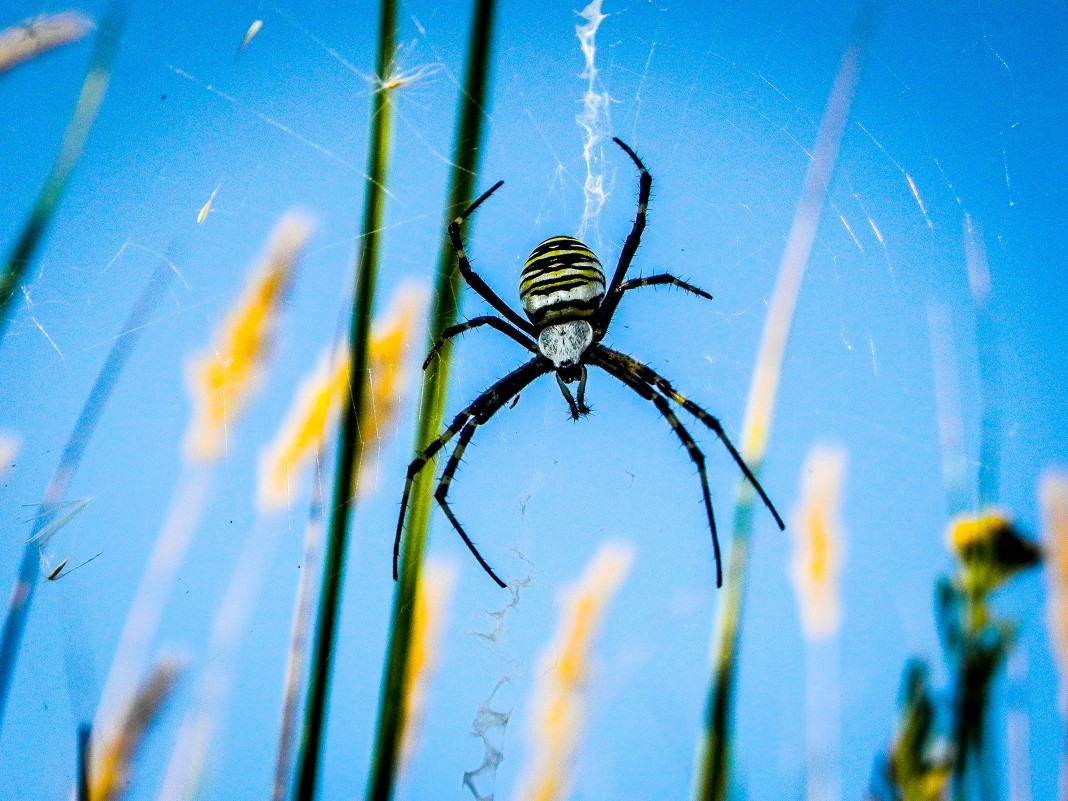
[562, 280]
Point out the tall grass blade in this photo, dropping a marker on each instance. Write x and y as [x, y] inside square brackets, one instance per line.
[446, 301]
[81, 121]
[713, 759]
[350, 444]
[92, 409]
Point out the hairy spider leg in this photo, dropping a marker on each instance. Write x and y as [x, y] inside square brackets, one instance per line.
[634, 238]
[475, 322]
[577, 409]
[696, 455]
[503, 391]
[608, 308]
[442, 492]
[600, 355]
[472, 278]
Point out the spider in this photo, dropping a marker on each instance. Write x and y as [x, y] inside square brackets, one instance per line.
[563, 293]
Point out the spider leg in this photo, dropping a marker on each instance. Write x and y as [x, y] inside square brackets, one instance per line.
[490, 320]
[603, 356]
[568, 397]
[472, 278]
[443, 490]
[696, 455]
[634, 238]
[608, 307]
[582, 393]
[500, 393]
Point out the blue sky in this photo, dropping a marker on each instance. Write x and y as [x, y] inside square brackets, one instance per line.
[965, 99]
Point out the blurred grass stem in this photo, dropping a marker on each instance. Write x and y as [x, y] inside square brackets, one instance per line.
[94, 87]
[350, 444]
[77, 442]
[713, 759]
[467, 148]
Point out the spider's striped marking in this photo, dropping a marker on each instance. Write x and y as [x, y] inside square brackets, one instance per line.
[562, 281]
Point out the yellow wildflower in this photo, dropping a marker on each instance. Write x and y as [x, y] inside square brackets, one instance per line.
[223, 378]
[388, 377]
[436, 581]
[300, 437]
[817, 533]
[558, 705]
[990, 549]
[318, 400]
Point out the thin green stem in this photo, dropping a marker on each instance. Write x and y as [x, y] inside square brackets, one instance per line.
[713, 760]
[466, 153]
[350, 445]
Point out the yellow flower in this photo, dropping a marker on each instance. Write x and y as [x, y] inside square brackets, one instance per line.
[318, 400]
[301, 435]
[558, 704]
[388, 379]
[990, 549]
[223, 378]
[436, 581]
[817, 533]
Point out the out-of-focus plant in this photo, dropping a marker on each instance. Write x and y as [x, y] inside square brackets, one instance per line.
[818, 534]
[558, 706]
[49, 518]
[712, 770]
[920, 761]
[989, 550]
[115, 756]
[95, 85]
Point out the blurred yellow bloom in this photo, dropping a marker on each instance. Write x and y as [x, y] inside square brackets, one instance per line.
[436, 581]
[318, 400]
[314, 409]
[990, 549]
[38, 35]
[113, 758]
[388, 377]
[558, 704]
[1054, 496]
[222, 379]
[818, 537]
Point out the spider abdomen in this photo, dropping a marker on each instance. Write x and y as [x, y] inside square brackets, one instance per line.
[562, 280]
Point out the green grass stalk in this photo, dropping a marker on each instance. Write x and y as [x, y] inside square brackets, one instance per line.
[466, 151]
[350, 445]
[94, 87]
[713, 757]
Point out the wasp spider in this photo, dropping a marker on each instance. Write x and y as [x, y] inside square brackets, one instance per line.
[569, 307]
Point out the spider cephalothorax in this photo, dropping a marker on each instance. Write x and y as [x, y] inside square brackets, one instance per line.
[563, 293]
